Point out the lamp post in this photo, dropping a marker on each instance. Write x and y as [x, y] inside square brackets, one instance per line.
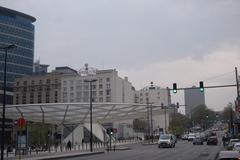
[5, 48]
[91, 135]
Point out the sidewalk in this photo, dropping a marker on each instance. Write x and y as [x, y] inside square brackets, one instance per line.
[56, 155]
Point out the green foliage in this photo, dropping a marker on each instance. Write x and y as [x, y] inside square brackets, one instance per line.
[38, 133]
[203, 116]
[179, 124]
[227, 113]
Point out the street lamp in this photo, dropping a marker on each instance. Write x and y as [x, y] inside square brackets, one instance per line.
[6, 48]
[91, 135]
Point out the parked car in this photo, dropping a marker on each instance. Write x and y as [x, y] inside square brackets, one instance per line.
[236, 146]
[166, 140]
[228, 155]
[232, 143]
[212, 140]
[185, 137]
[198, 141]
[191, 136]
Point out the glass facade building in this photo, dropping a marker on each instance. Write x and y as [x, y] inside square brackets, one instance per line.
[16, 28]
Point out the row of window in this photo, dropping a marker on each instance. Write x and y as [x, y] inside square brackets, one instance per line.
[16, 68]
[94, 99]
[16, 41]
[147, 94]
[36, 88]
[17, 32]
[79, 82]
[86, 87]
[86, 94]
[39, 98]
[16, 59]
[25, 24]
[33, 82]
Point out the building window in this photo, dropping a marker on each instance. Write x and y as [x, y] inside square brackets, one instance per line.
[79, 81]
[71, 95]
[64, 83]
[86, 87]
[146, 94]
[79, 88]
[94, 93]
[100, 99]
[94, 87]
[24, 89]
[56, 81]
[48, 81]
[79, 94]
[141, 94]
[64, 94]
[100, 80]
[86, 94]
[108, 92]
[25, 83]
[107, 79]
[108, 86]
[85, 99]
[100, 86]
[71, 88]
[71, 82]
[108, 99]
[56, 93]
[17, 83]
[47, 88]
[100, 93]
[40, 81]
[65, 89]
[33, 82]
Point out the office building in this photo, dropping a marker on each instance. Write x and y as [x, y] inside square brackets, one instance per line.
[40, 68]
[15, 28]
[193, 98]
[109, 87]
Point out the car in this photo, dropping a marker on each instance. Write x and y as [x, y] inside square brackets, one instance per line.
[185, 137]
[198, 141]
[232, 143]
[166, 140]
[212, 140]
[191, 136]
[236, 146]
[228, 155]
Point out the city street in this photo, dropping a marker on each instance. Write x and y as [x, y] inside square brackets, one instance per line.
[183, 151]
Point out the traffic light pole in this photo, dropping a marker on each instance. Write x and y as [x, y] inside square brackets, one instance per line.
[237, 83]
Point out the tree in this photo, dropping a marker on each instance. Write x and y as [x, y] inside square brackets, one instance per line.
[227, 113]
[179, 124]
[203, 116]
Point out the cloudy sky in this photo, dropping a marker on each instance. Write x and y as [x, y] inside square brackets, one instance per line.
[163, 41]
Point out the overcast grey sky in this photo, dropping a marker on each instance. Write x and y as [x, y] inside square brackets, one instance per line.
[164, 41]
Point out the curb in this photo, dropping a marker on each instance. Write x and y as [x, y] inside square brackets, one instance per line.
[65, 156]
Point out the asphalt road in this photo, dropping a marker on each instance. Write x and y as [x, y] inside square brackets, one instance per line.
[183, 151]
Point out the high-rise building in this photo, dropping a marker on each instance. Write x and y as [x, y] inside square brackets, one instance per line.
[40, 68]
[15, 28]
[193, 98]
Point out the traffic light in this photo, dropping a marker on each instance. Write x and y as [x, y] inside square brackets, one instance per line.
[174, 87]
[177, 105]
[110, 131]
[201, 87]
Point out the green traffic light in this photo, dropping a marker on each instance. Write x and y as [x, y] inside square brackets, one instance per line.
[201, 89]
[174, 91]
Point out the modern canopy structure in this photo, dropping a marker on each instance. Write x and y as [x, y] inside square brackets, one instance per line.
[78, 113]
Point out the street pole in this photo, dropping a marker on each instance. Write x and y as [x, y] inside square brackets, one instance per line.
[165, 116]
[4, 97]
[91, 134]
[151, 123]
[237, 83]
[148, 129]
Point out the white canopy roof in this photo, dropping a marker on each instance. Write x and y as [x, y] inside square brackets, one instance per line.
[77, 113]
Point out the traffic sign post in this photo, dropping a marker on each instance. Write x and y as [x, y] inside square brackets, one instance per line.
[21, 136]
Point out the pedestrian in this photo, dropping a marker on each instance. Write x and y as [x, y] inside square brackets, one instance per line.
[69, 145]
[224, 139]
